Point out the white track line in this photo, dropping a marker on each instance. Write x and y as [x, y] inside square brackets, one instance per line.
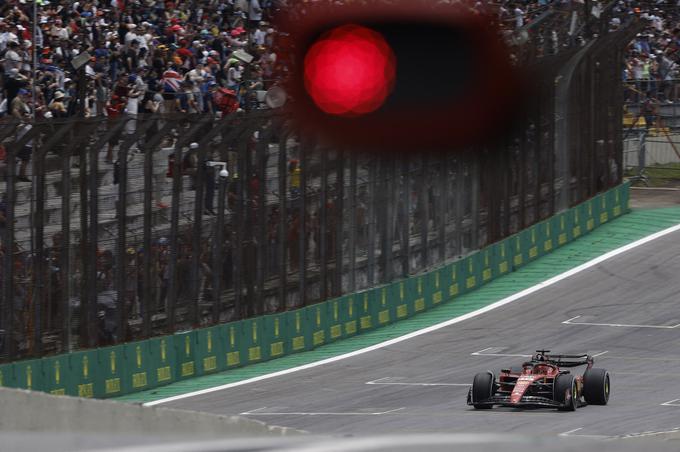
[621, 325]
[381, 381]
[469, 315]
[258, 412]
[675, 402]
[510, 355]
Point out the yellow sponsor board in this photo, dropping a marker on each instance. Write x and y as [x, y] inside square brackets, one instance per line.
[276, 349]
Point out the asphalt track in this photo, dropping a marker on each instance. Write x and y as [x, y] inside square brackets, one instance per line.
[625, 310]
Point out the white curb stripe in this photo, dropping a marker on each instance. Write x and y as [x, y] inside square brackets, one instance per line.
[438, 326]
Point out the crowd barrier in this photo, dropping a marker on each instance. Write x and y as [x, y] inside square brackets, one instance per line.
[137, 366]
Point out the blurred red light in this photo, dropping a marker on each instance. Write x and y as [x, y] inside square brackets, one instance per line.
[349, 71]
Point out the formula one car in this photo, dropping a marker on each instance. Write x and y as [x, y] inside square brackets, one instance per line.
[542, 382]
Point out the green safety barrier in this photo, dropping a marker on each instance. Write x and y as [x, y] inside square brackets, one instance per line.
[471, 267]
[386, 310]
[624, 197]
[605, 212]
[367, 310]
[452, 280]
[138, 365]
[185, 351]
[29, 375]
[276, 335]
[210, 355]
[118, 370]
[564, 227]
[548, 233]
[519, 252]
[162, 362]
[253, 347]
[335, 330]
[402, 305]
[489, 268]
[418, 290]
[591, 212]
[111, 362]
[82, 377]
[344, 316]
[317, 318]
[7, 376]
[614, 203]
[437, 289]
[233, 338]
[502, 257]
[531, 242]
[300, 335]
[349, 315]
[58, 375]
[577, 226]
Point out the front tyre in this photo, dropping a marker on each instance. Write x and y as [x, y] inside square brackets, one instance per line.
[482, 389]
[566, 392]
[596, 386]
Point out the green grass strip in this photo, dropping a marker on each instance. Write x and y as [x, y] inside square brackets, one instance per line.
[624, 230]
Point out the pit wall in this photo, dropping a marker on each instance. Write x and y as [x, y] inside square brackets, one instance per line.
[137, 366]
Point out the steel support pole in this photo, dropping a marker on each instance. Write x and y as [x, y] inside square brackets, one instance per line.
[65, 262]
[406, 217]
[352, 221]
[323, 225]
[339, 217]
[39, 266]
[283, 221]
[302, 244]
[372, 198]
[8, 258]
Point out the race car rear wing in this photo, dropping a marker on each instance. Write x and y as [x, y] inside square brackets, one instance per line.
[571, 360]
[564, 360]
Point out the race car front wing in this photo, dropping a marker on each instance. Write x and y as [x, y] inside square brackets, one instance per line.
[527, 400]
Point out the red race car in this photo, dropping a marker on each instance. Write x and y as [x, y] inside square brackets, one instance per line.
[542, 382]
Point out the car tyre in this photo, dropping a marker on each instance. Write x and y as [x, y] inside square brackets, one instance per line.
[482, 389]
[564, 383]
[596, 386]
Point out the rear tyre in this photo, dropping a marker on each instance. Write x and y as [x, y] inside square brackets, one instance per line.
[482, 389]
[596, 386]
[566, 383]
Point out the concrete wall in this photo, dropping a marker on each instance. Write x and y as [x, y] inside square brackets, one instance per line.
[37, 412]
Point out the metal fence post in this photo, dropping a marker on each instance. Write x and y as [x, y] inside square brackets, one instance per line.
[302, 217]
[352, 221]
[323, 225]
[424, 211]
[174, 228]
[65, 263]
[388, 232]
[283, 221]
[261, 150]
[40, 268]
[405, 230]
[440, 202]
[372, 198]
[196, 233]
[338, 218]
[8, 261]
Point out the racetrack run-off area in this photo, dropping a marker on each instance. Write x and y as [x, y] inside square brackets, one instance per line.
[621, 310]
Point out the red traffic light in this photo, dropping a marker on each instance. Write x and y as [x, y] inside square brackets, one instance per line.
[399, 75]
[349, 71]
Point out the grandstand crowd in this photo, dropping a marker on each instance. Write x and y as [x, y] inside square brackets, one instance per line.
[148, 56]
[651, 69]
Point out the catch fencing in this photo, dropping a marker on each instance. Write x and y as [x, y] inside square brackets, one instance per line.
[155, 241]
